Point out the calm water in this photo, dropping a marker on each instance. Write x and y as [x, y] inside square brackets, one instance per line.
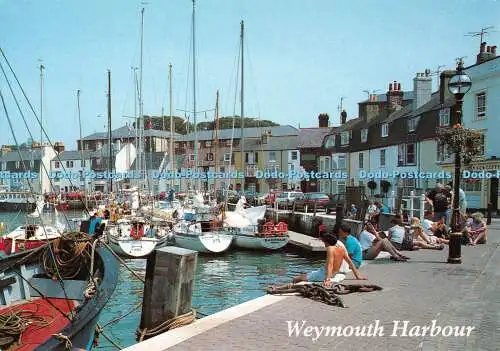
[221, 282]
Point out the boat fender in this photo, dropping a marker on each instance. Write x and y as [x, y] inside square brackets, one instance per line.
[137, 234]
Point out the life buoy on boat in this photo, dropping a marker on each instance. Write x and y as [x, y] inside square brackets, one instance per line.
[137, 231]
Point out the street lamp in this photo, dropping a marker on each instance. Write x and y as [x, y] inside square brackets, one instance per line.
[459, 85]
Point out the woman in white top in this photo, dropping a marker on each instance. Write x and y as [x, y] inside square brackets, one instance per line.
[372, 244]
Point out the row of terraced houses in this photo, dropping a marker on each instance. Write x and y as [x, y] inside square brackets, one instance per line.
[393, 133]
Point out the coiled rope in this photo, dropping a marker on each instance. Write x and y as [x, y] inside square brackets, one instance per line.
[172, 323]
[14, 323]
[318, 292]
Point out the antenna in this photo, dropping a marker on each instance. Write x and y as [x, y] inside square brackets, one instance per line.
[341, 104]
[437, 73]
[482, 33]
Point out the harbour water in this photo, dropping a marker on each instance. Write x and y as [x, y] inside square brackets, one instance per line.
[221, 282]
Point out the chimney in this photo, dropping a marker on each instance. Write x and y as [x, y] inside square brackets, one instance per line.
[59, 146]
[481, 48]
[394, 96]
[343, 117]
[486, 53]
[323, 120]
[443, 85]
[422, 89]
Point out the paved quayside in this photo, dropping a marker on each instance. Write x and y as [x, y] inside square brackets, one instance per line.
[419, 291]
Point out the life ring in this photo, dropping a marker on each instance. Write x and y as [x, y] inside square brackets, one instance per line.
[137, 234]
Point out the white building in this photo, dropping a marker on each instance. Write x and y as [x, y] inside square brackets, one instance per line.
[481, 111]
[69, 173]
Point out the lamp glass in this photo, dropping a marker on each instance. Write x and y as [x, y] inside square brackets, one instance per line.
[459, 84]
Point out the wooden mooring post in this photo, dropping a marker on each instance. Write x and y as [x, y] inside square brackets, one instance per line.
[168, 286]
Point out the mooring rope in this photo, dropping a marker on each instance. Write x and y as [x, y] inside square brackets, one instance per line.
[318, 292]
[172, 323]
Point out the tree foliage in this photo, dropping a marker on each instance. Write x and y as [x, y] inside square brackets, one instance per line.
[181, 126]
[464, 141]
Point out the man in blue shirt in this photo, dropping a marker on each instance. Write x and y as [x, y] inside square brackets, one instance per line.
[352, 245]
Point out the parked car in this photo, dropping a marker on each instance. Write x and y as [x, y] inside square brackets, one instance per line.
[311, 200]
[286, 199]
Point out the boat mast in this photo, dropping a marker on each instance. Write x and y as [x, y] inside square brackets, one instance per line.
[194, 99]
[81, 147]
[141, 103]
[216, 141]
[242, 141]
[110, 156]
[42, 67]
[171, 146]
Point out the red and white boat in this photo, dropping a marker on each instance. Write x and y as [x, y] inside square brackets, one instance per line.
[27, 237]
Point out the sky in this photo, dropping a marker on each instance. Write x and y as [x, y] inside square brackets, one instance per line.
[300, 56]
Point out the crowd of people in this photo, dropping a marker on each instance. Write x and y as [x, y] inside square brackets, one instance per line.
[348, 250]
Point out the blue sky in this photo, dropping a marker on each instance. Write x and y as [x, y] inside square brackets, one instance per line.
[301, 55]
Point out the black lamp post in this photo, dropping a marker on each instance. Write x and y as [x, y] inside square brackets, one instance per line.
[459, 85]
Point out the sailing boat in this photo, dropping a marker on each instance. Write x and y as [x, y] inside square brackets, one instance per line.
[52, 295]
[248, 225]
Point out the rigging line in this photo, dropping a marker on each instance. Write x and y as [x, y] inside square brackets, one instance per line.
[28, 180]
[31, 136]
[37, 118]
[119, 318]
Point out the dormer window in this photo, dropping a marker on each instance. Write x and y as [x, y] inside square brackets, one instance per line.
[227, 157]
[208, 143]
[412, 124]
[210, 156]
[364, 135]
[330, 141]
[344, 138]
[385, 130]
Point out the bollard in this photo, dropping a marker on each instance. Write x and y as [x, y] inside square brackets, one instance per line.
[168, 288]
[488, 214]
[455, 248]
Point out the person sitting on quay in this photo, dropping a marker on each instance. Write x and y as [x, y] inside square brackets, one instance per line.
[420, 238]
[476, 229]
[403, 240]
[372, 211]
[436, 231]
[351, 244]
[372, 244]
[336, 254]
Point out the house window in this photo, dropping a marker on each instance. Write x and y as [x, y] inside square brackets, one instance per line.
[341, 162]
[98, 161]
[442, 152]
[32, 164]
[17, 164]
[385, 130]
[272, 155]
[480, 106]
[406, 155]
[210, 156]
[364, 135]
[361, 159]
[251, 158]
[69, 164]
[344, 138]
[222, 169]
[4, 166]
[228, 142]
[56, 164]
[340, 187]
[330, 141]
[444, 117]
[191, 157]
[382, 158]
[227, 157]
[295, 155]
[483, 145]
[412, 124]
[208, 143]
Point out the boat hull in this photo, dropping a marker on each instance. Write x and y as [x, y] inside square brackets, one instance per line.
[205, 242]
[131, 248]
[16, 207]
[20, 245]
[252, 242]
